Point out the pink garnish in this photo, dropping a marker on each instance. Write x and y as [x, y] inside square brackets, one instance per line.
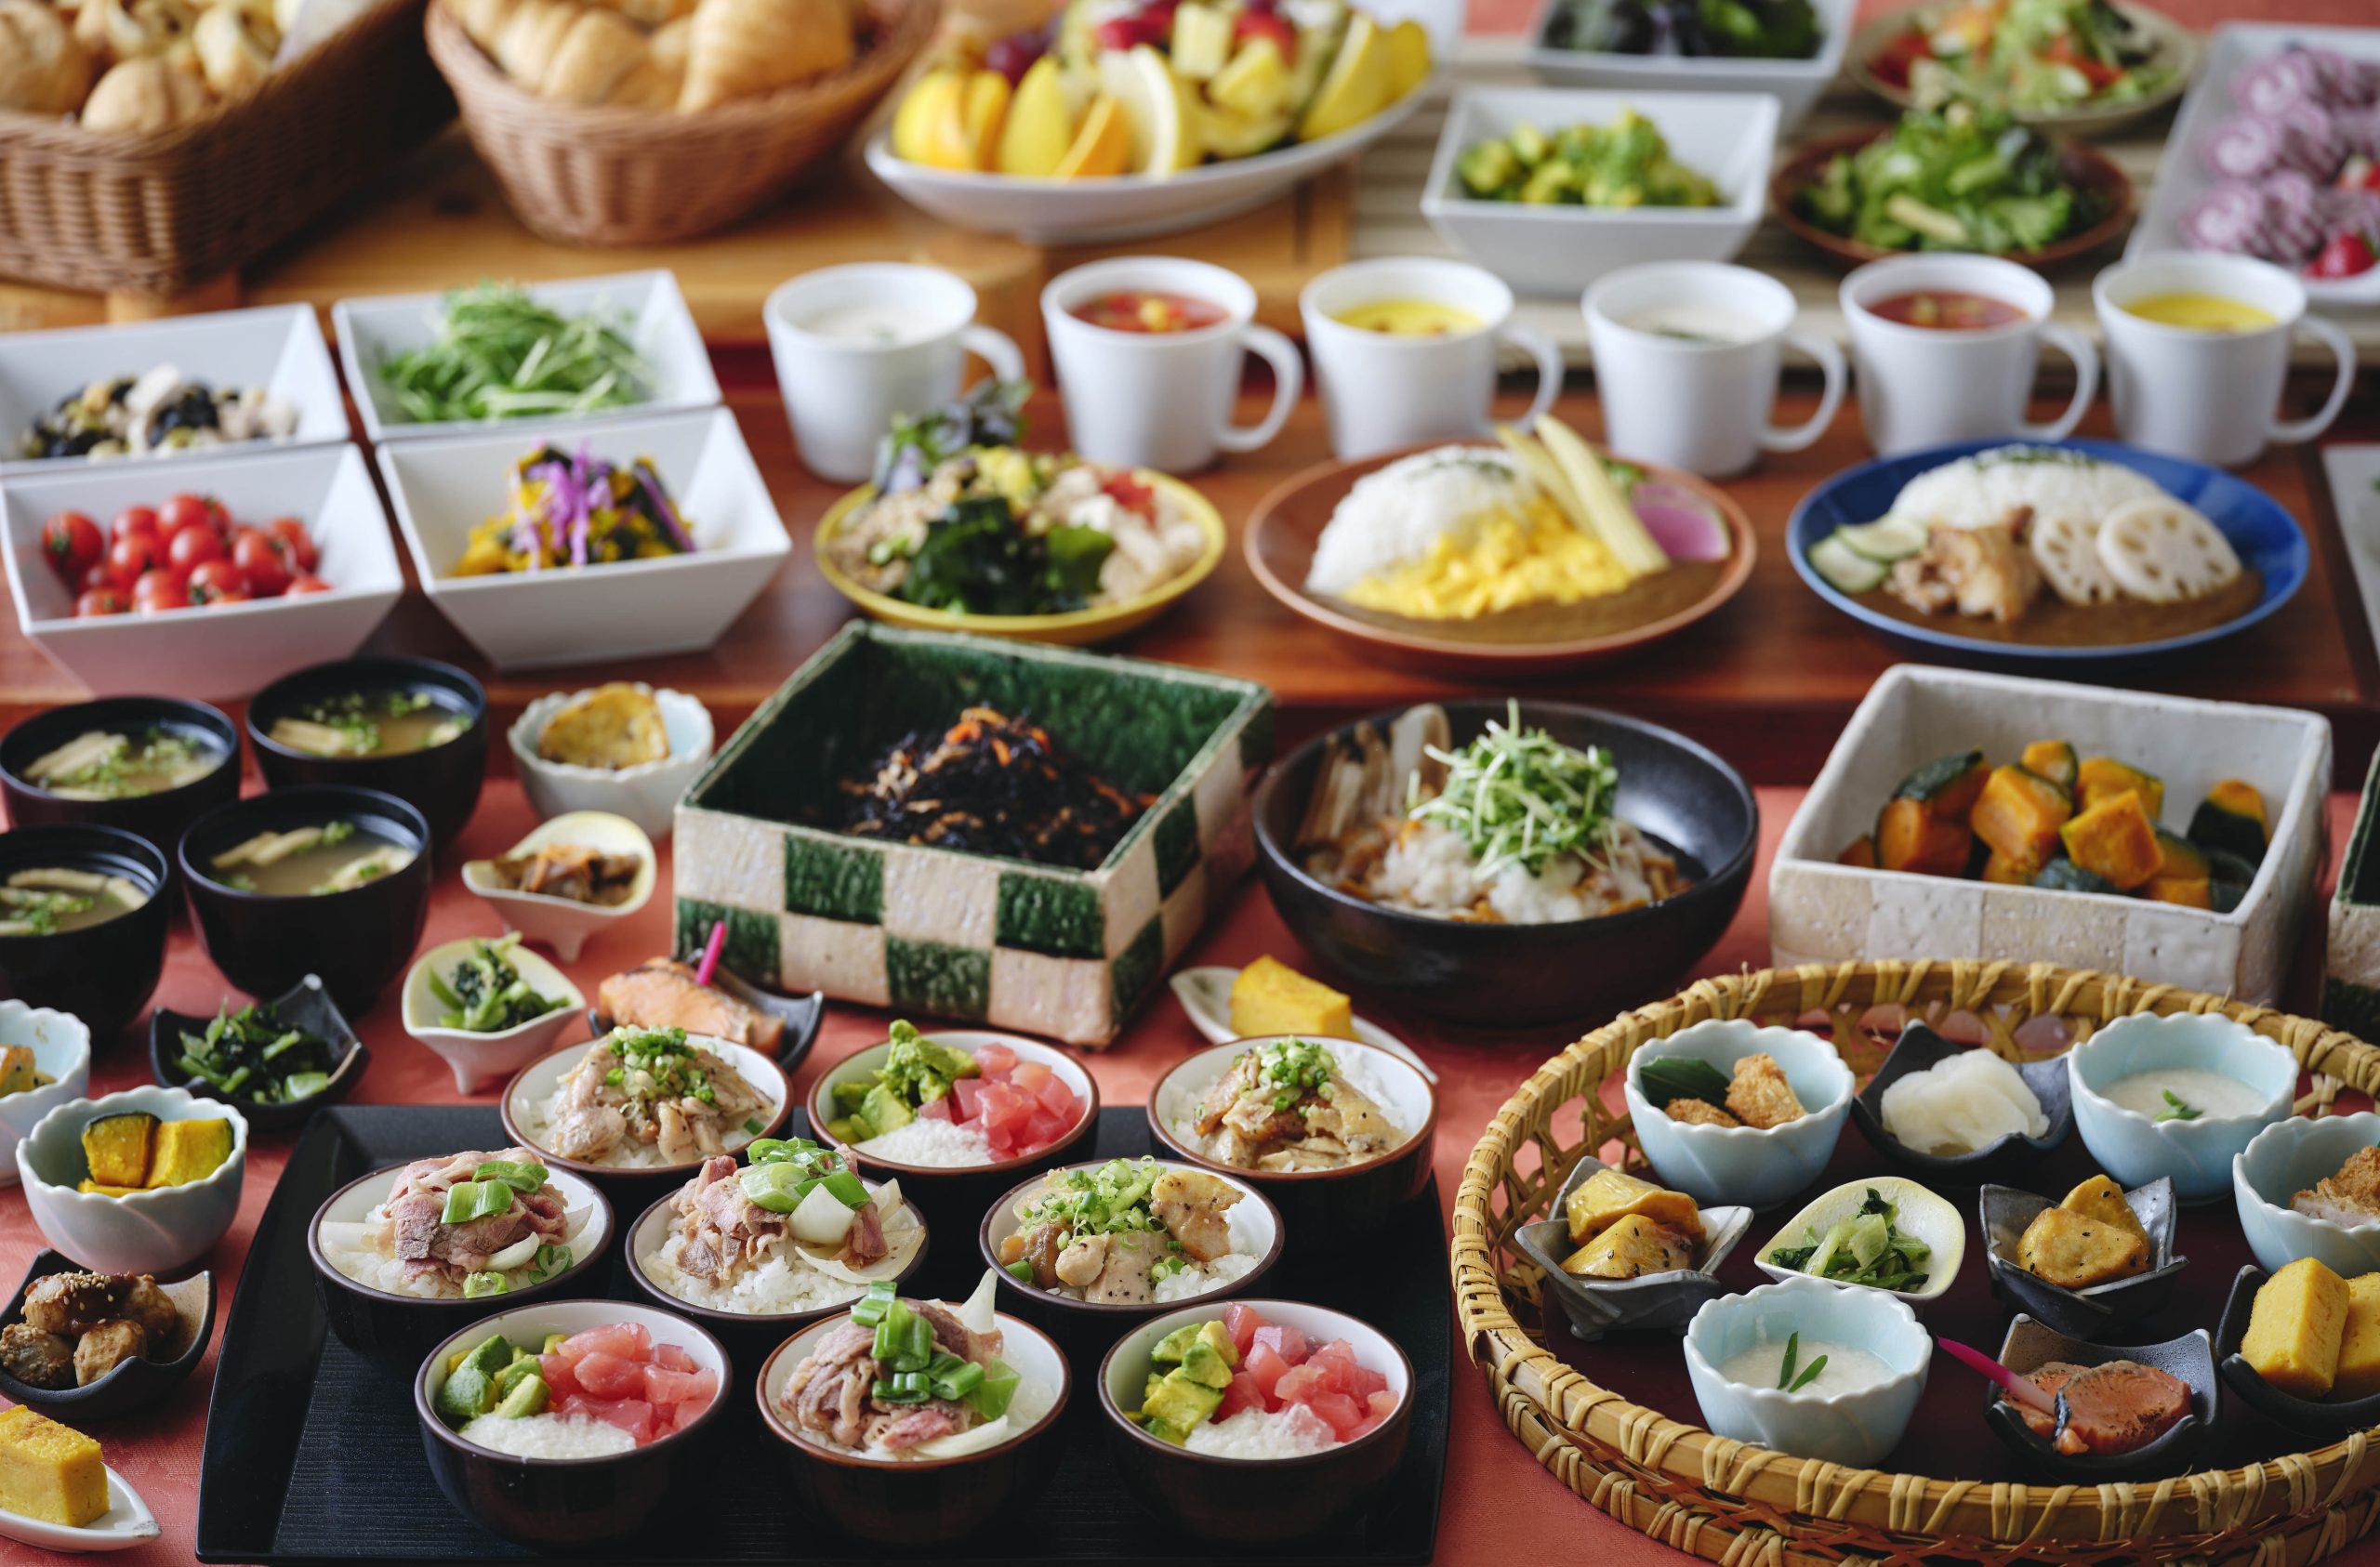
[711, 951]
[2023, 1389]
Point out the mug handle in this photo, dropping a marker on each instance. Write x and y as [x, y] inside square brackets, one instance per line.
[2072, 344]
[994, 348]
[2343, 349]
[1830, 362]
[1540, 347]
[1288, 380]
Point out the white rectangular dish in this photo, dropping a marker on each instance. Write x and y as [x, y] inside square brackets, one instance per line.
[1797, 84]
[651, 314]
[2182, 174]
[1730, 137]
[528, 620]
[279, 348]
[225, 650]
[1822, 912]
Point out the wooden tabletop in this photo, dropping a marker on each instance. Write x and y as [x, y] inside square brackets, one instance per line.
[1768, 681]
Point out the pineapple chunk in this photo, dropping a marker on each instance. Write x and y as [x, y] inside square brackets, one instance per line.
[1270, 998]
[1255, 85]
[1201, 41]
[49, 1471]
[2296, 1328]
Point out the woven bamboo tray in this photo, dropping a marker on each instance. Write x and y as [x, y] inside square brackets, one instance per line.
[603, 176]
[1730, 1502]
[159, 213]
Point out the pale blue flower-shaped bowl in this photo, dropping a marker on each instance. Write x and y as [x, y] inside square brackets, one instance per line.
[1855, 1428]
[1745, 1165]
[2197, 1154]
[2282, 1161]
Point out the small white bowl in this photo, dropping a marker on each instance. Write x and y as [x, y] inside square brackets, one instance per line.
[1796, 83]
[2137, 1149]
[1921, 1215]
[61, 1048]
[149, 1231]
[480, 1058]
[2280, 1162]
[1857, 1428]
[646, 794]
[863, 1063]
[533, 1085]
[126, 1524]
[1721, 1164]
[564, 924]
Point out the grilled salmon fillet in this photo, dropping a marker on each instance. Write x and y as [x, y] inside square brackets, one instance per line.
[662, 994]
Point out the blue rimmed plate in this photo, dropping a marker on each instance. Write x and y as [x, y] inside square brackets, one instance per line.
[2267, 539]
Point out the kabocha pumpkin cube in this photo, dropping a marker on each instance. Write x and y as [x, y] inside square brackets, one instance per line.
[2232, 818]
[1948, 785]
[187, 1151]
[2358, 1372]
[2053, 759]
[116, 1148]
[2102, 778]
[1999, 867]
[1860, 854]
[49, 1471]
[2018, 814]
[2295, 1329]
[2188, 892]
[1608, 1196]
[17, 1072]
[1911, 836]
[2114, 840]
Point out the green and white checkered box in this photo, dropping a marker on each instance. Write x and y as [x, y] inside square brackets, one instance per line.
[1059, 953]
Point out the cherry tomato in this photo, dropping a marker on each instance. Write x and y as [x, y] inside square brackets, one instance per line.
[296, 542]
[193, 547]
[261, 560]
[2348, 256]
[307, 582]
[130, 556]
[73, 543]
[107, 600]
[159, 589]
[100, 575]
[185, 510]
[217, 582]
[133, 520]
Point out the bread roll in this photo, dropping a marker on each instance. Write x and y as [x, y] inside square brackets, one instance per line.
[232, 58]
[44, 70]
[740, 48]
[137, 96]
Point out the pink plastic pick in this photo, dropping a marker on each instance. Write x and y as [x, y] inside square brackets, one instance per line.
[711, 952]
[2020, 1388]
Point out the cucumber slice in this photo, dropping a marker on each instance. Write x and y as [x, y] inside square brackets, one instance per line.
[1845, 568]
[1886, 539]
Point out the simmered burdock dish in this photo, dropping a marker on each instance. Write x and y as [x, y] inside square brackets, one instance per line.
[411, 727]
[150, 765]
[82, 921]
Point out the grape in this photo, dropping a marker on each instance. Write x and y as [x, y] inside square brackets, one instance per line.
[1014, 54]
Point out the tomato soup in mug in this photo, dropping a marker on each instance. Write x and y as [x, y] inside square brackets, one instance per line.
[1150, 311]
[1947, 309]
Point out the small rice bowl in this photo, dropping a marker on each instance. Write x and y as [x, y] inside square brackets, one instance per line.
[347, 1247]
[1353, 1066]
[788, 1282]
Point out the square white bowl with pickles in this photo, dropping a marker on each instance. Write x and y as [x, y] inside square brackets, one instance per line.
[1781, 1098]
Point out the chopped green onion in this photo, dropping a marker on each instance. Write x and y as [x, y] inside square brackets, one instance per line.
[990, 1397]
[483, 1284]
[871, 1308]
[1520, 797]
[845, 1188]
[1020, 1270]
[521, 1175]
[550, 1262]
[470, 1200]
[2178, 1109]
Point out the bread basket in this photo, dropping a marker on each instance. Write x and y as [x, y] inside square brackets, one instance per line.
[162, 212]
[606, 176]
[1660, 1473]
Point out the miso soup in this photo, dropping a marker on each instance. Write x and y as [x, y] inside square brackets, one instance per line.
[103, 765]
[378, 723]
[48, 901]
[309, 862]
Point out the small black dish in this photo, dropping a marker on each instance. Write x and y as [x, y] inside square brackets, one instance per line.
[104, 973]
[1681, 794]
[305, 1005]
[160, 817]
[441, 782]
[356, 940]
[2005, 1211]
[133, 1382]
[2297, 1414]
[1650, 1302]
[2190, 1358]
[801, 1015]
[1920, 1048]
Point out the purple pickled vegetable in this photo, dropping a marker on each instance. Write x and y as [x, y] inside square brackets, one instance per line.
[2228, 218]
[1683, 523]
[2310, 140]
[2244, 147]
[666, 514]
[2277, 81]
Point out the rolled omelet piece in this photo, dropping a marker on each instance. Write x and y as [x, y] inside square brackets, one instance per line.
[2359, 1373]
[2296, 1327]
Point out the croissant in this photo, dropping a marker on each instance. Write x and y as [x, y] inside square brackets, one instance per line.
[651, 13]
[741, 47]
[144, 95]
[231, 55]
[43, 68]
[565, 51]
[122, 29]
[656, 83]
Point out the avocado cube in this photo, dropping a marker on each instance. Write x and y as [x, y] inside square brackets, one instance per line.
[1170, 1349]
[553, 1342]
[466, 1394]
[527, 1398]
[492, 1354]
[526, 1369]
[1175, 1409]
[853, 1093]
[884, 1111]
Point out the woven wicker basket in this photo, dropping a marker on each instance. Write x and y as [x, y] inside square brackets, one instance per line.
[159, 213]
[1730, 1502]
[608, 176]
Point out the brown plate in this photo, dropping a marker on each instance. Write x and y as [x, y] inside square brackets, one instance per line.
[2086, 168]
[1539, 640]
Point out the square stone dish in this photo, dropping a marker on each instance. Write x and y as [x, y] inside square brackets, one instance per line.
[2329, 1419]
[1822, 912]
[2351, 964]
[2004, 1213]
[1042, 950]
[2188, 1358]
[1665, 1302]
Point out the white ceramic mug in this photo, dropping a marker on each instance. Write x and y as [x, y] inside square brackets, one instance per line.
[1381, 391]
[2211, 396]
[1163, 399]
[843, 392]
[1697, 403]
[1923, 386]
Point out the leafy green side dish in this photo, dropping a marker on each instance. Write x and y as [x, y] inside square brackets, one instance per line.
[501, 354]
[1962, 178]
[1864, 1249]
[1682, 1077]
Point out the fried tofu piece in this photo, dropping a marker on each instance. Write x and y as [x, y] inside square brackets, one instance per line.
[616, 725]
[2075, 1251]
[1606, 1197]
[1631, 1248]
[1760, 1096]
[1699, 1112]
[2296, 1327]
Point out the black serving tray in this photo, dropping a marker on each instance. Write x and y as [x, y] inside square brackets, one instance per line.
[313, 1455]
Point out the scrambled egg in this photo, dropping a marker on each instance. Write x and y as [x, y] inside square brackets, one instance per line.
[1505, 561]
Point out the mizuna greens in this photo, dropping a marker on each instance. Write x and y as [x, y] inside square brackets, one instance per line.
[1520, 797]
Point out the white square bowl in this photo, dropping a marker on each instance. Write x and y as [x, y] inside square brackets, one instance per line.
[651, 312]
[1821, 912]
[1729, 137]
[530, 620]
[279, 348]
[227, 650]
[1797, 84]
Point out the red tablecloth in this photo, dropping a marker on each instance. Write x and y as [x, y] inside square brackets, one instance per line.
[1498, 1503]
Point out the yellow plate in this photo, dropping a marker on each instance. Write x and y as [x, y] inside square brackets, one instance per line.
[1073, 628]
